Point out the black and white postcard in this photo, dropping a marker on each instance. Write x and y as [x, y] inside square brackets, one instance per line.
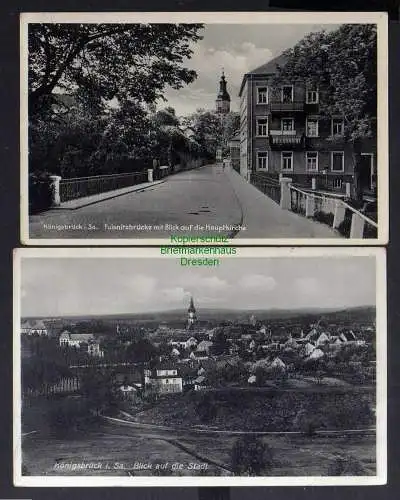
[131, 369]
[264, 128]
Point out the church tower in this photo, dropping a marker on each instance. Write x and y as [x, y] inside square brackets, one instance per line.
[223, 102]
[192, 318]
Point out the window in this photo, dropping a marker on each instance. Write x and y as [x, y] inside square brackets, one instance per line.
[262, 160]
[312, 97]
[287, 160]
[287, 93]
[312, 161]
[337, 126]
[287, 124]
[312, 127]
[337, 161]
[337, 183]
[262, 95]
[262, 127]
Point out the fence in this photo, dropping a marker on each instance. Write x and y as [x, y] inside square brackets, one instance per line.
[78, 187]
[267, 185]
[333, 211]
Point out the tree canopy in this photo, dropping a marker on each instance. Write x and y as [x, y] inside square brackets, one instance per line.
[92, 93]
[343, 65]
[212, 130]
[106, 61]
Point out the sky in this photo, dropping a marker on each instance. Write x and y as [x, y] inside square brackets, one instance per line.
[238, 48]
[86, 286]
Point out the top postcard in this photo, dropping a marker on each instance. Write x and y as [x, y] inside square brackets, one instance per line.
[204, 128]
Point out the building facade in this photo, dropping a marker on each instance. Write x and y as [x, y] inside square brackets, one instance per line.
[282, 132]
[34, 327]
[85, 341]
[164, 379]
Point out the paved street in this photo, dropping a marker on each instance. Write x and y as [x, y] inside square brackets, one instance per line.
[209, 197]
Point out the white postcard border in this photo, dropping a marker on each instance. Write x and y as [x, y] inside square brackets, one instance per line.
[328, 252]
[382, 167]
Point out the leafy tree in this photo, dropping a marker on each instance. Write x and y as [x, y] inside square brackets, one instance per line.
[169, 138]
[343, 65]
[212, 130]
[90, 90]
[46, 365]
[220, 343]
[250, 456]
[206, 409]
[141, 351]
[307, 422]
[106, 61]
[97, 387]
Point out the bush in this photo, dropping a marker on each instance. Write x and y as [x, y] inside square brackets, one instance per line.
[370, 232]
[68, 417]
[345, 226]
[250, 456]
[324, 218]
[206, 409]
[346, 466]
[306, 422]
[40, 192]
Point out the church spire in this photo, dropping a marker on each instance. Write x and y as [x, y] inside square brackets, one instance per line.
[192, 318]
[223, 102]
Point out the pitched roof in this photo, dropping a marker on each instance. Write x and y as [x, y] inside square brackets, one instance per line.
[204, 345]
[83, 337]
[198, 354]
[34, 324]
[278, 362]
[268, 68]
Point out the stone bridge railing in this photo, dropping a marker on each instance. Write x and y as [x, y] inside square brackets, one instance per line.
[78, 187]
[329, 209]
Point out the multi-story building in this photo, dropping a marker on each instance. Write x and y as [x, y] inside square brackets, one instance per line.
[84, 341]
[282, 132]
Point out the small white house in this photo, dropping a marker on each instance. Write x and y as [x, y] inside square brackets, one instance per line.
[316, 354]
[277, 363]
[308, 349]
[163, 379]
[204, 346]
[322, 339]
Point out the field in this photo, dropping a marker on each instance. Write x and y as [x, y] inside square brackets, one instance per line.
[117, 450]
[107, 448]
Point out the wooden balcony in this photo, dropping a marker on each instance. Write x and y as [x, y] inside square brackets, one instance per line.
[290, 107]
[285, 138]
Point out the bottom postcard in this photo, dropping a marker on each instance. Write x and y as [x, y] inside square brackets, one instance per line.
[131, 369]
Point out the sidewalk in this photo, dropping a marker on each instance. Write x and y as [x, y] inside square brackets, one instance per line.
[266, 219]
[85, 201]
